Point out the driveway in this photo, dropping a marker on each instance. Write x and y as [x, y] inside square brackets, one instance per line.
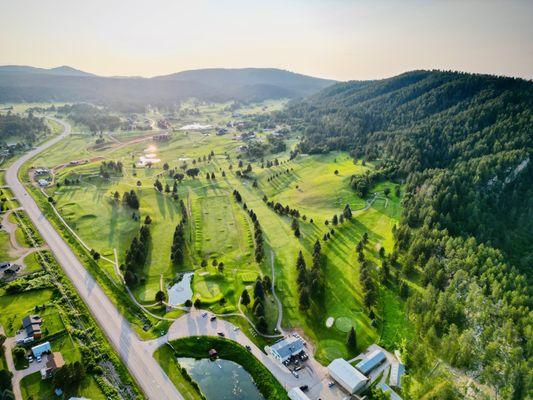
[313, 374]
[18, 375]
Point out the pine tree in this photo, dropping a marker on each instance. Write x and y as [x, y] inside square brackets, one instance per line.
[245, 298]
[351, 340]
[259, 292]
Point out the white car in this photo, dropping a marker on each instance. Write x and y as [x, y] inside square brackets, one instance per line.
[235, 329]
[39, 359]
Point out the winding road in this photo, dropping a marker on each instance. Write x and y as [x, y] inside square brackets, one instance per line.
[134, 353]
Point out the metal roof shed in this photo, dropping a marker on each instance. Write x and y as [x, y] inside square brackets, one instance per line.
[41, 348]
[372, 361]
[396, 373]
[346, 375]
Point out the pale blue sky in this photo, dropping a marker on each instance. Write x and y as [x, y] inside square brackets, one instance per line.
[334, 39]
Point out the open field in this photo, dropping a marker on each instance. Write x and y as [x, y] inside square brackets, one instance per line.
[218, 228]
[17, 306]
[33, 387]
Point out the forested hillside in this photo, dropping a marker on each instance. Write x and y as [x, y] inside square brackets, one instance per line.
[463, 145]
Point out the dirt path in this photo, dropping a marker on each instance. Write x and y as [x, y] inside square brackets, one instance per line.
[19, 252]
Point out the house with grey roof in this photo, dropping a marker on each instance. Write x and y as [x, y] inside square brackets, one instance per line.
[286, 348]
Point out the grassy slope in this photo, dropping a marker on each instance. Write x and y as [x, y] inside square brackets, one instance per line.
[319, 195]
[165, 357]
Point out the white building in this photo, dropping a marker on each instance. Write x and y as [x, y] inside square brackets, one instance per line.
[297, 394]
[286, 348]
[346, 375]
[396, 372]
[43, 182]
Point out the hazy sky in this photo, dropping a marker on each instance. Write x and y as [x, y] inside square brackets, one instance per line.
[331, 38]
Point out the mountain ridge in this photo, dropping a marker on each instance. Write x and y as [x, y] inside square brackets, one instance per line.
[24, 83]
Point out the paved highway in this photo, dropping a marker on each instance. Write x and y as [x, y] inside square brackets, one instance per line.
[135, 355]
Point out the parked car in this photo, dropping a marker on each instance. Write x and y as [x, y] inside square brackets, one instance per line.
[303, 388]
[331, 383]
[39, 359]
[30, 358]
[213, 318]
[295, 374]
[235, 329]
[204, 314]
[248, 348]
[221, 334]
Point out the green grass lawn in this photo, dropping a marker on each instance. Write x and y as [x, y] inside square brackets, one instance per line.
[218, 227]
[16, 306]
[32, 262]
[165, 357]
[6, 251]
[34, 388]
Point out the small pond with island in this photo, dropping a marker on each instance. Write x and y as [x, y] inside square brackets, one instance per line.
[221, 379]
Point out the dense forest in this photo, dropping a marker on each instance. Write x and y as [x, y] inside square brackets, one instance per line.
[462, 144]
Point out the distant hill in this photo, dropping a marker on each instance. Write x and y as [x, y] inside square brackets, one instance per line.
[23, 83]
[63, 70]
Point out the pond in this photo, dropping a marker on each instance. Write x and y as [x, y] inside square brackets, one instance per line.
[180, 292]
[221, 379]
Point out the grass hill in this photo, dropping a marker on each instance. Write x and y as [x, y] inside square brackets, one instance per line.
[29, 84]
[463, 145]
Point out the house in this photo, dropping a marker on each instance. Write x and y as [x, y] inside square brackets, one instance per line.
[297, 394]
[42, 182]
[396, 372]
[54, 362]
[346, 375]
[40, 349]
[286, 348]
[372, 361]
[163, 137]
[32, 326]
[41, 171]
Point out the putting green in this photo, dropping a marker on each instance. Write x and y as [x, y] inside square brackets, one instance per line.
[330, 349]
[344, 324]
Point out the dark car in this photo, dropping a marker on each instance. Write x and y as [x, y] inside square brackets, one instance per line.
[303, 388]
[213, 318]
[221, 334]
[248, 348]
